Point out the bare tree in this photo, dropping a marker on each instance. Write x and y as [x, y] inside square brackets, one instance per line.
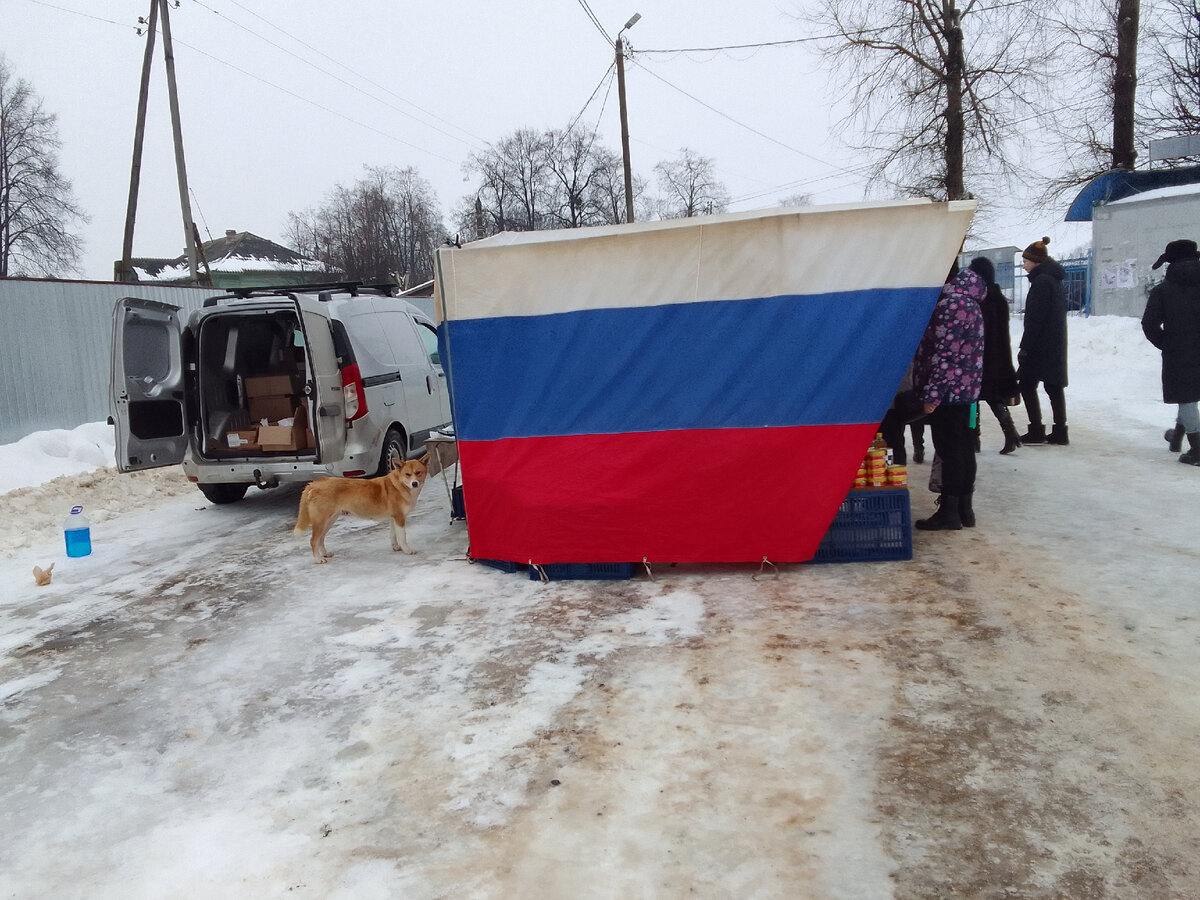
[799, 199]
[934, 85]
[1174, 51]
[689, 187]
[514, 182]
[1097, 123]
[532, 180]
[384, 227]
[1124, 83]
[37, 204]
[588, 180]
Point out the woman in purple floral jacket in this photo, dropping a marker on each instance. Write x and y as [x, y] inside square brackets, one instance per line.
[947, 375]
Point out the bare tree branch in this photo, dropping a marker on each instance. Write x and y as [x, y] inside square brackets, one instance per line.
[37, 205]
[933, 87]
[383, 228]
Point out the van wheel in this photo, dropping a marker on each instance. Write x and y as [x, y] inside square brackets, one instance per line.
[395, 446]
[223, 492]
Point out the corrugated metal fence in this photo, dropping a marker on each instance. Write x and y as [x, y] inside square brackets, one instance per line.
[55, 340]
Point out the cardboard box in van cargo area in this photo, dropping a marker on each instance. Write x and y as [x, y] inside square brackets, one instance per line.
[271, 407]
[278, 385]
[242, 439]
[240, 432]
[285, 437]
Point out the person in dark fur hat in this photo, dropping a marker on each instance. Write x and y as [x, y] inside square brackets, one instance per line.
[1042, 357]
[999, 379]
[1171, 323]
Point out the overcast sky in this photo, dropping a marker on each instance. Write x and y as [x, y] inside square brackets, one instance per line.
[281, 100]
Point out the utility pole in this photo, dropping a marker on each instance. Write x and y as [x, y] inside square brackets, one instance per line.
[123, 269]
[185, 206]
[620, 48]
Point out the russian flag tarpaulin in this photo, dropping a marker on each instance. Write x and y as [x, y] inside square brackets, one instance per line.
[692, 390]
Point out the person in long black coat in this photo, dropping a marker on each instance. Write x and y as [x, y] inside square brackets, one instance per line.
[999, 379]
[1171, 323]
[1042, 357]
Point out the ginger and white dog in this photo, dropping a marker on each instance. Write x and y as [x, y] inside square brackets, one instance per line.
[391, 497]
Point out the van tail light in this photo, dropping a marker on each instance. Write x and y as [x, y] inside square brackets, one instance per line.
[352, 392]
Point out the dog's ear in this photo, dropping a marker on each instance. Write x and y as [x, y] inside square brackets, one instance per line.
[397, 463]
[424, 460]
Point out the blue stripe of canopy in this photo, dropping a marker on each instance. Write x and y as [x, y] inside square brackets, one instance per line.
[821, 359]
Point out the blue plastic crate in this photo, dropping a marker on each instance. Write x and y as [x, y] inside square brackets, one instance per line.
[500, 564]
[583, 571]
[870, 526]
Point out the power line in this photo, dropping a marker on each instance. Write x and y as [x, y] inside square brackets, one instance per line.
[595, 21]
[606, 78]
[83, 14]
[813, 38]
[337, 77]
[749, 128]
[319, 106]
[758, 46]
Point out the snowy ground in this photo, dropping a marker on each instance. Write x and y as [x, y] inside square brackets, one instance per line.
[196, 710]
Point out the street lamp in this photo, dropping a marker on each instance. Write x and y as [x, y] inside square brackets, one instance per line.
[620, 48]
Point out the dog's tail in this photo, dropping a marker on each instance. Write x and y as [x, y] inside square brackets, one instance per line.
[303, 523]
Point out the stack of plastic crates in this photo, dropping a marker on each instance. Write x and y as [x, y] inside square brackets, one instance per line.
[582, 572]
[871, 525]
[564, 571]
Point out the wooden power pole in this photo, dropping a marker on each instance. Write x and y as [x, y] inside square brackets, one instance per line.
[124, 268]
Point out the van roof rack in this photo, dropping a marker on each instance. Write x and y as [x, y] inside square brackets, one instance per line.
[324, 290]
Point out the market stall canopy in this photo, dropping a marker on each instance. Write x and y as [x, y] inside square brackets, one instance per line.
[691, 390]
[1121, 183]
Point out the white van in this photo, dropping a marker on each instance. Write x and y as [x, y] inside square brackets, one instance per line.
[269, 385]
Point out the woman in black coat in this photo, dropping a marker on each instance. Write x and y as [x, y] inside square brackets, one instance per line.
[1172, 324]
[999, 379]
[1042, 357]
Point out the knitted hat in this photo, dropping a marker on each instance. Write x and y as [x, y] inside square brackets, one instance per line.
[1036, 252]
[1176, 251]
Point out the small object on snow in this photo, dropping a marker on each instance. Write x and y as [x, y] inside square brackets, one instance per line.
[42, 576]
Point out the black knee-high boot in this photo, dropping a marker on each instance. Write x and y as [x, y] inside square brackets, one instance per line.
[918, 442]
[966, 512]
[1012, 440]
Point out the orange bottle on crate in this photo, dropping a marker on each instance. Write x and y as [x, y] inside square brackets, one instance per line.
[876, 462]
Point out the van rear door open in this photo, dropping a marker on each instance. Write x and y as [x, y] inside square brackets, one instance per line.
[148, 385]
[327, 405]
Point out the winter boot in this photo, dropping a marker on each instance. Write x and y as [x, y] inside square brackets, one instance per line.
[1011, 441]
[1174, 438]
[1058, 435]
[966, 514]
[1035, 435]
[1192, 457]
[946, 518]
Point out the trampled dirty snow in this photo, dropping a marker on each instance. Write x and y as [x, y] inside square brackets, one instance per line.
[196, 710]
